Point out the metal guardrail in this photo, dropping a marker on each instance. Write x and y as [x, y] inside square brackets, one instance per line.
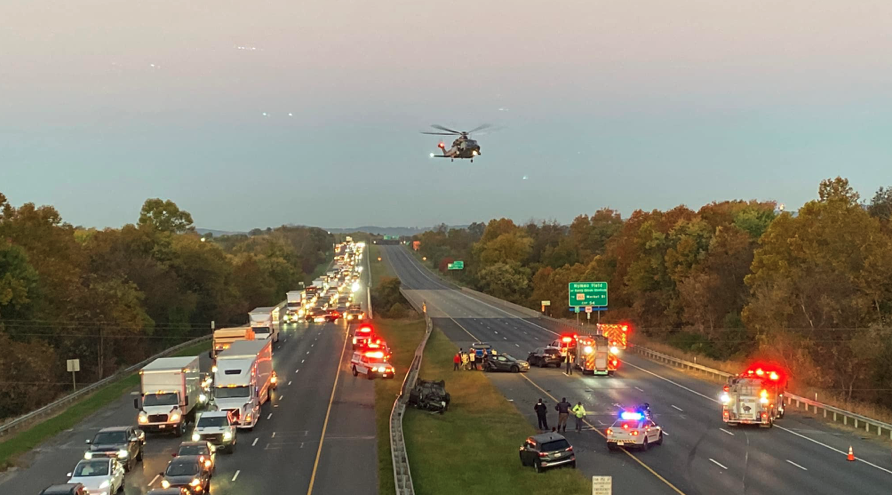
[402, 475]
[829, 412]
[53, 408]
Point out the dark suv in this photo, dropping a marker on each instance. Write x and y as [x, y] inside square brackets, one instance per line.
[544, 357]
[66, 489]
[124, 443]
[547, 450]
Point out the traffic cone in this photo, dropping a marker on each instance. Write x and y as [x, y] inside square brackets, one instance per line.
[851, 455]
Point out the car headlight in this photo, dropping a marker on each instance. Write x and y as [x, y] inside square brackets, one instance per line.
[725, 398]
[123, 453]
[202, 398]
[764, 400]
[194, 482]
[207, 463]
[214, 368]
[165, 484]
[143, 417]
[104, 484]
[196, 437]
[174, 416]
[227, 435]
[88, 455]
[374, 368]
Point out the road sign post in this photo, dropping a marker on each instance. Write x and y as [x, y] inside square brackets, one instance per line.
[73, 365]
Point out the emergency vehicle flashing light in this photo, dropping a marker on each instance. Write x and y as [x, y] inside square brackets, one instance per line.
[375, 354]
[566, 339]
[631, 416]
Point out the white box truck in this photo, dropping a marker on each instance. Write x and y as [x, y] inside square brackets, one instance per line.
[243, 380]
[293, 306]
[170, 388]
[264, 323]
[224, 337]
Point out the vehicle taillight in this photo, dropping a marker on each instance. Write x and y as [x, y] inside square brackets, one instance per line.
[626, 427]
[570, 448]
[635, 433]
[543, 454]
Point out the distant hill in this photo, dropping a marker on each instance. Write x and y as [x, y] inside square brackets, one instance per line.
[216, 233]
[401, 231]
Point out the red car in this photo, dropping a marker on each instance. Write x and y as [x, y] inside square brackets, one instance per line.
[332, 315]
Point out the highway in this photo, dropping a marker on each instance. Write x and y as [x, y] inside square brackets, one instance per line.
[311, 432]
[700, 455]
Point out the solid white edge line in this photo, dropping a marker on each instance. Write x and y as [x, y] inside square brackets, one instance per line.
[797, 465]
[831, 448]
[154, 480]
[717, 463]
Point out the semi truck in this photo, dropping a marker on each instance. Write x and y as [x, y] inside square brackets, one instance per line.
[755, 396]
[593, 355]
[243, 380]
[293, 306]
[224, 337]
[170, 389]
[265, 323]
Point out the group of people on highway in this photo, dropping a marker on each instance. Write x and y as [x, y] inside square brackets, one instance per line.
[468, 360]
[564, 409]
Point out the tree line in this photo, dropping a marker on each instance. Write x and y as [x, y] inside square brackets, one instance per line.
[113, 297]
[810, 290]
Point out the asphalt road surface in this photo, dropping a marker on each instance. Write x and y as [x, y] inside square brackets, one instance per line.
[311, 431]
[700, 454]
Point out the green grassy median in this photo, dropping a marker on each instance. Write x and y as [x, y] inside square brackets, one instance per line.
[403, 337]
[475, 443]
[25, 440]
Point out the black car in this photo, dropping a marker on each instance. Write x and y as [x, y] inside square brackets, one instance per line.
[205, 451]
[547, 450]
[504, 362]
[66, 489]
[187, 472]
[544, 357]
[124, 443]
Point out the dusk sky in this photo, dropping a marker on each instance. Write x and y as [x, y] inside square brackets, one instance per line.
[259, 113]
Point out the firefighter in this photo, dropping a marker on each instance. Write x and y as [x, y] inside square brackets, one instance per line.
[579, 413]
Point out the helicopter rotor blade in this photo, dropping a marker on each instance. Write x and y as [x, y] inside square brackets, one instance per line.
[435, 126]
[479, 128]
[440, 133]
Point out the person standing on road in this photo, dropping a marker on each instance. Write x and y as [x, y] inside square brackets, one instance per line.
[563, 409]
[569, 365]
[579, 413]
[472, 357]
[541, 412]
[456, 360]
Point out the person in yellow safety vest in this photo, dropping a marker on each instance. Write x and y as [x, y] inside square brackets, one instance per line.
[579, 411]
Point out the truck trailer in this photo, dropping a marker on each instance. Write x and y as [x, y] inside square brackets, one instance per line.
[170, 389]
[244, 379]
[265, 323]
[224, 337]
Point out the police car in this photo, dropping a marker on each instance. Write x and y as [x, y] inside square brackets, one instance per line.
[371, 364]
[362, 336]
[634, 429]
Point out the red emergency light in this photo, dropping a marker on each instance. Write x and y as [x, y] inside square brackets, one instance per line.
[566, 339]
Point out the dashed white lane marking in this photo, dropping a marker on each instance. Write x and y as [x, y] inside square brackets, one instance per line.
[676, 407]
[255, 442]
[726, 431]
[274, 435]
[235, 476]
[797, 465]
[289, 382]
[312, 345]
[832, 448]
[495, 331]
[717, 463]
[308, 352]
[281, 398]
[638, 389]
[154, 480]
[269, 415]
[302, 361]
[515, 345]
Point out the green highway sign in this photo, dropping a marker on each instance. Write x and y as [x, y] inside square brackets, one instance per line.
[588, 294]
[456, 265]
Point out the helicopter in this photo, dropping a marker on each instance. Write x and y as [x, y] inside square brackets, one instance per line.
[462, 147]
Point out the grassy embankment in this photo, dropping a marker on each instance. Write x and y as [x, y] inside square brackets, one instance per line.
[23, 441]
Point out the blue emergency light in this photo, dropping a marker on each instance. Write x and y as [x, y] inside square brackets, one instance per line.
[631, 415]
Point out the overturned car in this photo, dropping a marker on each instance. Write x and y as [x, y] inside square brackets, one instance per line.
[430, 395]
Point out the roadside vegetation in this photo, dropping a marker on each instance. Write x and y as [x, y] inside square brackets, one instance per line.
[446, 452]
[733, 281]
[113, 297]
